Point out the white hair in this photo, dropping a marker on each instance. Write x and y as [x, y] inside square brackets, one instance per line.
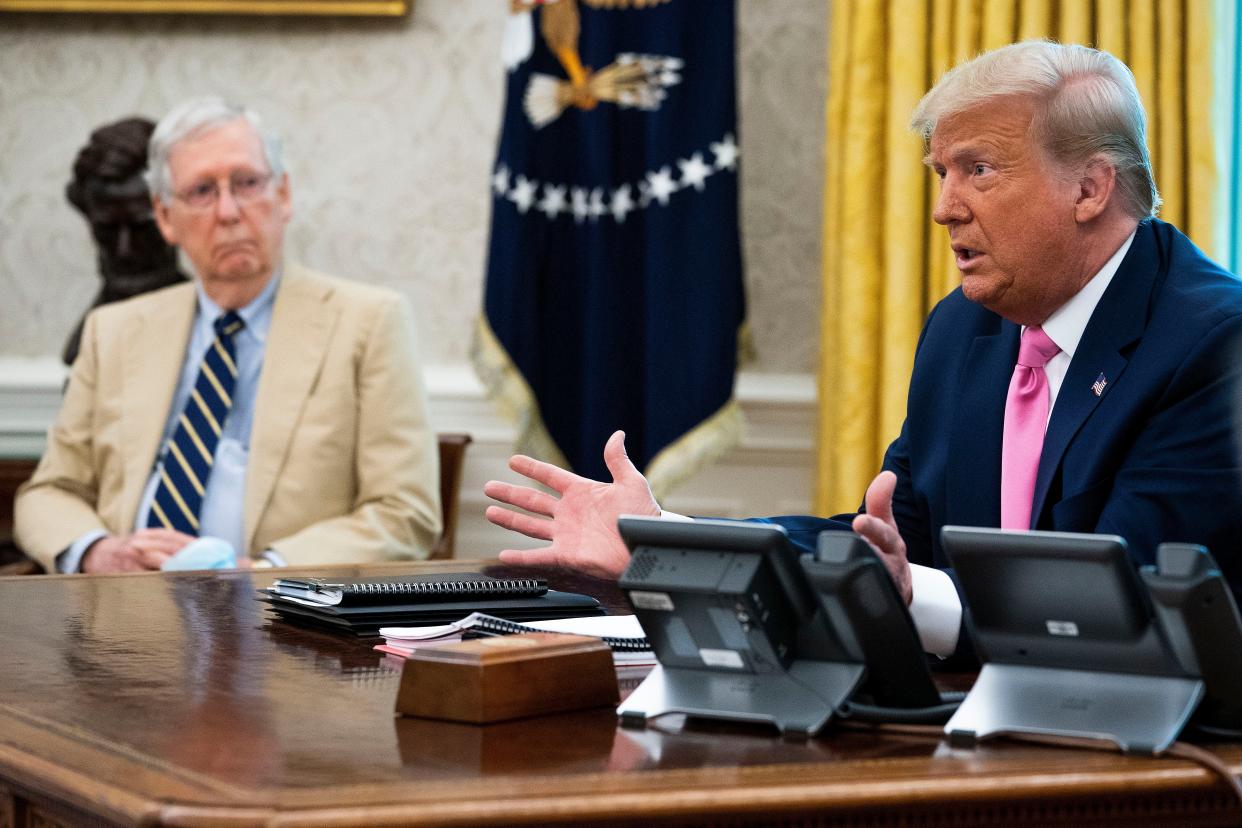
[194, 117]
[1088, 106]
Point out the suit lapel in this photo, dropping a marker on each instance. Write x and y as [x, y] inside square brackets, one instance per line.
[296, 344]
[974, 487]
[1118, 321]
[150, 375]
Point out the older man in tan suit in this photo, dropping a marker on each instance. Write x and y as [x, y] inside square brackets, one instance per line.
[263, 408]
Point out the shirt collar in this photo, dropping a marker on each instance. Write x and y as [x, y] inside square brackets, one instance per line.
[257, 314]
[1068, 323]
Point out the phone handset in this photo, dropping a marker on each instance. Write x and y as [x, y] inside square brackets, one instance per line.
[1197, 611]
[865, 611]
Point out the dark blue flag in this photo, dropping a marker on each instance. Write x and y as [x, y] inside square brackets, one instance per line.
[614, 291]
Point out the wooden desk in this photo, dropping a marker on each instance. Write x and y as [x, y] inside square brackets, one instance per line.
[171, 700]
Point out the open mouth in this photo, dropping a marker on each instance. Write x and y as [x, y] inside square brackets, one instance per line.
[966, 256]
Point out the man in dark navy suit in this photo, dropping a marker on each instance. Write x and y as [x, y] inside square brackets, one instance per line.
[1078, 380]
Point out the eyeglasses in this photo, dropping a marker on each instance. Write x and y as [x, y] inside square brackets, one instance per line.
[243, 186]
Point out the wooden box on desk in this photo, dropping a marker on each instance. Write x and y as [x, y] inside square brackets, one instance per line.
[508, 677]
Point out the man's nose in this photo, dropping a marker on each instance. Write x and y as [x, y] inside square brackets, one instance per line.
[227, 208]
[950, 207]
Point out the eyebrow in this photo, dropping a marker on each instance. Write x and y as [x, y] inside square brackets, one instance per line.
[967, 151]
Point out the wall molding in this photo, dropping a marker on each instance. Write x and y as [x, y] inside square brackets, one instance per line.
[770, 472]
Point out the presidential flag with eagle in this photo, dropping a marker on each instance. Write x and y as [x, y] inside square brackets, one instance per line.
[614, 295]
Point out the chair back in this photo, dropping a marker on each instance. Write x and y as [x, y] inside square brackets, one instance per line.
[452, 459]
[13, 473]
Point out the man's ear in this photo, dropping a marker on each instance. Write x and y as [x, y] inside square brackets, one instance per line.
[1096, 188]
[284, 197]
[162, 220]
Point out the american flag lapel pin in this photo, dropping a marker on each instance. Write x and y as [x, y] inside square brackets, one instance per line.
[1097, 387]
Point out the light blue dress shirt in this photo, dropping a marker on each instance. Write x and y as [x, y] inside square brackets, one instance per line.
[225, 493]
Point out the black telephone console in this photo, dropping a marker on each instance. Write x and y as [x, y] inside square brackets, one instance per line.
[745, 630]
[1198, 612]
[1076, 641]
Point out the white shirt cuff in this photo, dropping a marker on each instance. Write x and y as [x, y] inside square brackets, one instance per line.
[70, 560]
[936, 610]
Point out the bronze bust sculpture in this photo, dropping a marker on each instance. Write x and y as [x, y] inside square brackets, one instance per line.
[109, 191]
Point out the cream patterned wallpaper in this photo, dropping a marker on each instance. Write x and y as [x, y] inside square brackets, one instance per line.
[390, 129]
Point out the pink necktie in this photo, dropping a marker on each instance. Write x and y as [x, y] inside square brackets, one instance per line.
[1026, 418]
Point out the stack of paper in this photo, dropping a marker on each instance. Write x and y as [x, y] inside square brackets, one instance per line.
[622, 632]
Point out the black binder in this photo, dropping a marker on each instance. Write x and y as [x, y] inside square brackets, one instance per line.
[406, 589]
[428, 599]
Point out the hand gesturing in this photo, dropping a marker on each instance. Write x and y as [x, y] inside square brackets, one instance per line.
[879, 528]
[581, 523]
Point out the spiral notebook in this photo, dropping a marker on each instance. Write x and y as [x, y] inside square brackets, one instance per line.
[404, 589]
[620, 632]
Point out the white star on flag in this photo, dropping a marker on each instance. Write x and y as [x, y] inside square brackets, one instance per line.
[523, 194]
[644, 194]
[598, 208]
[500, 181]
[553, 202]
[726, 153]
[622, 203]
[662, 185]
[580, 207]
[694, 172]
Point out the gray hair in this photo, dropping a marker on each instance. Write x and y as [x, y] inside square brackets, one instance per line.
[1088, 105]
[194, 117]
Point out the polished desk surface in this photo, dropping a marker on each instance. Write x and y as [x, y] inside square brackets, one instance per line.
[173, 699]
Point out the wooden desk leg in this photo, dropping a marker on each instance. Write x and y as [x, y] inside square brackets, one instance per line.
[8, 808]
[18, 812]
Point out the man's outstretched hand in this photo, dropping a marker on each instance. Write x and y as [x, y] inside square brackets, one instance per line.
[581, 524]
[878, 527]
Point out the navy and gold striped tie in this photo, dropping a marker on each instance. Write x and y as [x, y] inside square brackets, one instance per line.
[192, 448]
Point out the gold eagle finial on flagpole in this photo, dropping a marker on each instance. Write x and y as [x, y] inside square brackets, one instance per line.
[630, 81]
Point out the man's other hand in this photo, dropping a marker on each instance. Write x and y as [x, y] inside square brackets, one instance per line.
[581, 524]
[878, 528]
[143, 550]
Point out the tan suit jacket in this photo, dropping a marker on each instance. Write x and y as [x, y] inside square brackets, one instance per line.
[343, 465]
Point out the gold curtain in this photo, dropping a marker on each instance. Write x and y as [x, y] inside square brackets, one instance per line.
[884, 262]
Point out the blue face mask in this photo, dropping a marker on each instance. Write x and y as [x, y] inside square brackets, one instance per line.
[203, 553]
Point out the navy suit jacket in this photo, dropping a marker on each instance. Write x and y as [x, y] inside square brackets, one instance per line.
[1151, 457]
